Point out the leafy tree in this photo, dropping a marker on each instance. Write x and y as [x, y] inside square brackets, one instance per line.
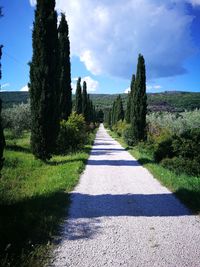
[44, 84]
[85, 108]
[2, 139]
[78, 104]
[65, 69]
[139, 103]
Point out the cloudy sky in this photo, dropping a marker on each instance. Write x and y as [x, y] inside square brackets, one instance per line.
[106, 38]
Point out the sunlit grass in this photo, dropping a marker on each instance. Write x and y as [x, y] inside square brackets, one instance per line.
[34, 199]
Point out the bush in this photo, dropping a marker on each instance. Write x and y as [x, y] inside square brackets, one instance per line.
[128, 136]
[17, 119]
[72, 134]
[181, 165]
[120, 127]
[187, 145]
[163, 150]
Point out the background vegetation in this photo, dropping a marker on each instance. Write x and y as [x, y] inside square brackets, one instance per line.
[167, 101]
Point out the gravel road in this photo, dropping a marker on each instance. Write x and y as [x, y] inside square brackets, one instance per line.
[121, 216]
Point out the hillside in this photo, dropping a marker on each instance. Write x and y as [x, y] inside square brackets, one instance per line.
[167, 101]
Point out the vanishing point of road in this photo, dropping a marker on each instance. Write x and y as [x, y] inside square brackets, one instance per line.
[121, 216]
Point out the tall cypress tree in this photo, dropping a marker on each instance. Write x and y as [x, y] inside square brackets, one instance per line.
[129, 101]
[65, 69]
[85, 107]
[2, 139]
[119, 109]
[117, 113]
[44, 93]
[139, 103]
[78, 103]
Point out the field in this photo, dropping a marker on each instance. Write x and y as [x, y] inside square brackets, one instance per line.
[167, 101]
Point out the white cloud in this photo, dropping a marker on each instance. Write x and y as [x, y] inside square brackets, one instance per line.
[32, 2]
[92, 85]
[108, 35]
[126, 91]
[24, 89]
[5, 85]
[150, 87]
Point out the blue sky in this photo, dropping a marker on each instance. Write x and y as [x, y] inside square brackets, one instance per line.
[106, 37]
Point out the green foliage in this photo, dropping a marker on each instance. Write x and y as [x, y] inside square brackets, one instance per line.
[174, 123]
[128, 136]
[117, 111]
[163, 150]
[72, 134]
[85, 103]
[139, 103]
[100, 115]
[107, 118]
[65, 70]
[78, 103]
[17, 119]
[181, 165]
[120, 127]
[44, 93]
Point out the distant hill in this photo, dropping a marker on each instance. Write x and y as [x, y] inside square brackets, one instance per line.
[167, 101]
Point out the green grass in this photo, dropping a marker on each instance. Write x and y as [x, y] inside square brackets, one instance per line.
[186, 188]
[33, 201]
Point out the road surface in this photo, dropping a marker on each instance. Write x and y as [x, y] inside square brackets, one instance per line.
[121, 216]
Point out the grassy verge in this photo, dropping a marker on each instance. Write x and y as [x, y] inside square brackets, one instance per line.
[33, 201]
[186, 188]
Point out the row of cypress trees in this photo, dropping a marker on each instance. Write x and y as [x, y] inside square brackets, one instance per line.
[50, 78]
[136, 109]
[83, 103]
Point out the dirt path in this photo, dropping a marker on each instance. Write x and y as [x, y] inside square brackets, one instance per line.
[121, 216]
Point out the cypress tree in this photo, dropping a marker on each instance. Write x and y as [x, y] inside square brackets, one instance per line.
[64, 69]
[139, 103]
[78, 104]
[129, 101]
[119, 109]
[44, 84]
[117, 113]
[85, 102]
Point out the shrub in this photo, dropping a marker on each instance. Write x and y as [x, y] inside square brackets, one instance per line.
[120, 127]
[187, 145]
[128, 136]
[181, 165]
[17, 119]
[72, 134]
[163, 150]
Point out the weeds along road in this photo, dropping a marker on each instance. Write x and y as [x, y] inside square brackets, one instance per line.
[121, 216]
